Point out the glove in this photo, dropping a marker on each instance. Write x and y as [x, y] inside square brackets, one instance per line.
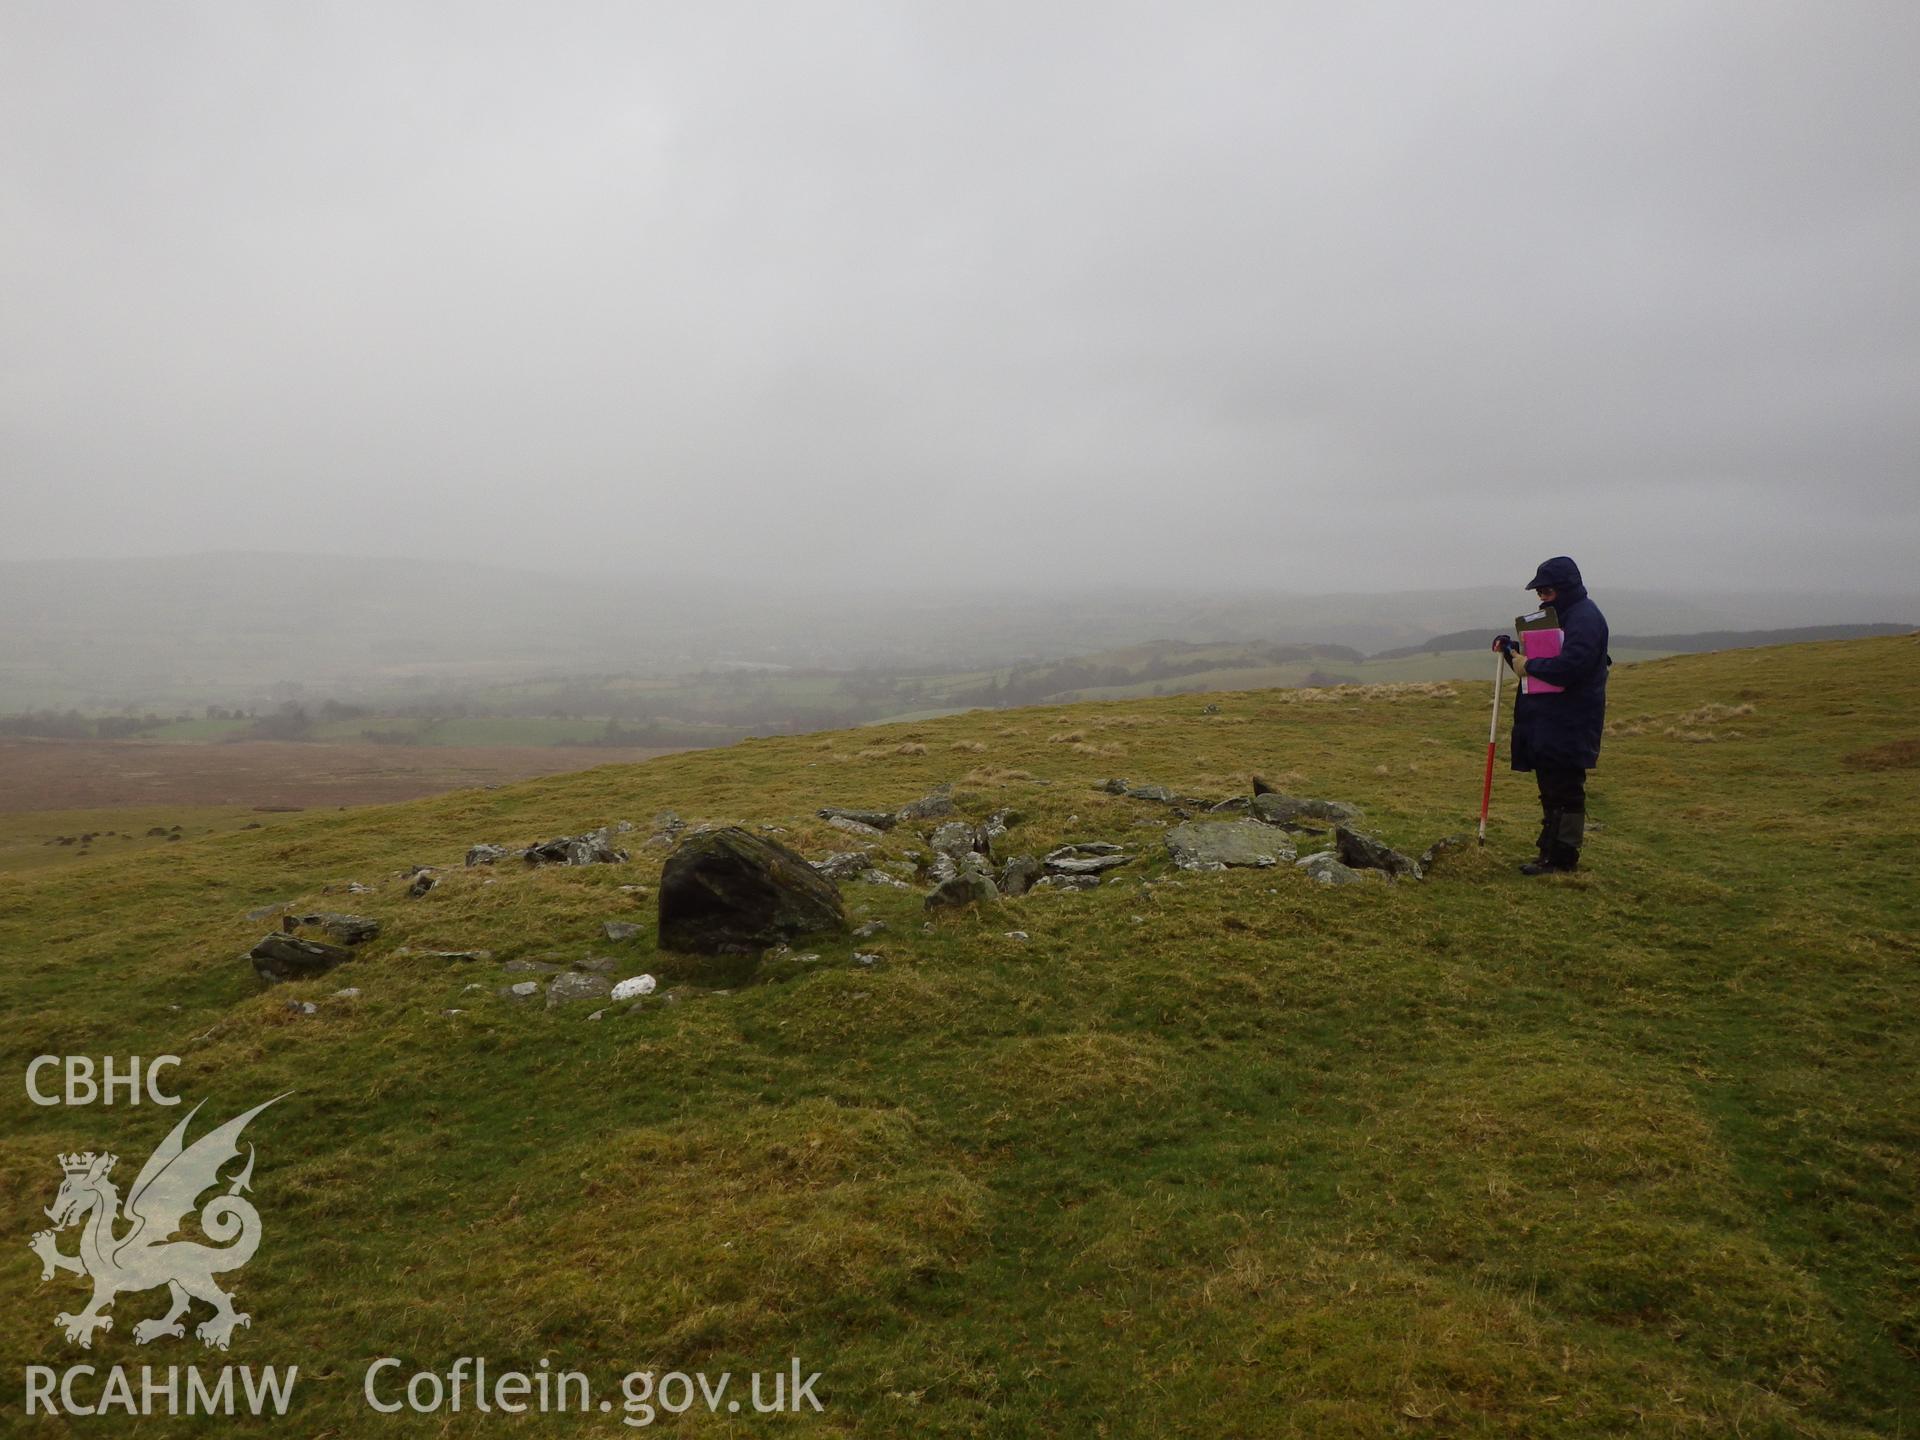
[1503, 643]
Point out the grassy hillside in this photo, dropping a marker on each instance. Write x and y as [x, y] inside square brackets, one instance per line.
[1627, 1151]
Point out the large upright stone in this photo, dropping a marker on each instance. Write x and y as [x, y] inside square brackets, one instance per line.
[727, 891]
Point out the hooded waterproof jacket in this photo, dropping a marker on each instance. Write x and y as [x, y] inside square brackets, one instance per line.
[1562, 731]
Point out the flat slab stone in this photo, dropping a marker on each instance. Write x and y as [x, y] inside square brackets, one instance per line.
[1224, 844]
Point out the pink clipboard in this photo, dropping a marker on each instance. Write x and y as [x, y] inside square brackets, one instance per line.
[1540, 639]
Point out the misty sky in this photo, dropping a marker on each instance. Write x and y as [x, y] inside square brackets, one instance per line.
[1317, 296]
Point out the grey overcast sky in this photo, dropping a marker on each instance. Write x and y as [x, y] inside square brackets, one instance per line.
[1307, 295]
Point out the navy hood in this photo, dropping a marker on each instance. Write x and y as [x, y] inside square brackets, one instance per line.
[1563, 575]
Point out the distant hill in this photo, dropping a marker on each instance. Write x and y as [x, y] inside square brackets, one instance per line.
[261, 629]
[1695, 643]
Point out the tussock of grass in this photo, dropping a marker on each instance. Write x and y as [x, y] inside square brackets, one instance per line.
[997, 775]
[1901, 754]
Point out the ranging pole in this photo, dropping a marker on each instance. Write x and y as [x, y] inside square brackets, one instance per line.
[1493, 735]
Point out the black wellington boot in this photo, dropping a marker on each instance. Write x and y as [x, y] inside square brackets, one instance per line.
[1562, 853]
[1549, 827]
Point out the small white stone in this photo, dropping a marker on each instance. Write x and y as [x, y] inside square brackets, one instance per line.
[633, 988]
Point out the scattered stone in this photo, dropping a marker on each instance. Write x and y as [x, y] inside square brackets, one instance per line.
[955, 838]
[1220, 844]
[520, 990]
[1016, 934]
[350, 992]
[853, 826]
[453, 1012]
[1019, 873]
[1287, 810]
[577, 985]
[1324, 868]
[845, 864]
[633, 987]
[1067, 882]
[1086, 864]
[1363, 852]
[593, 848]
[881, 877]
[965, 888]
[281, 957]
[873, 819]
[867, 959]
[1440, 847]
[1210, 709]
[354, 887]
[1159, 794]
[727, 890]
[303, 1007]
[635, 890]
[347, 929]
[422, 883]
[934, 806]
[597, 965]
[620, 930]
[486, 854]
[668, 821]
[453, 954]
[869, 930]
[529, 967]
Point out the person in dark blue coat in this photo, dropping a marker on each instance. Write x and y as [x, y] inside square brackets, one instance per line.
[1557, 734]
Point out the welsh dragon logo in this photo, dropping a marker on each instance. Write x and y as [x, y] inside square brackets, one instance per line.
[145, 1253]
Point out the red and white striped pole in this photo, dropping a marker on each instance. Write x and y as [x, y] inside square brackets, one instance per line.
[1493, 735]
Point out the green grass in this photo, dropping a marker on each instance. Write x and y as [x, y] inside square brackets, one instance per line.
[1625, 1152]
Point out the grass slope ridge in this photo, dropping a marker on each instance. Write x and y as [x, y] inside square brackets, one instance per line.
[1225, 1154]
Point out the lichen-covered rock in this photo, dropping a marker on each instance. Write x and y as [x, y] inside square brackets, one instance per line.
[1221, 844]
[727, 890]
[965, 888]
[577, 985]
[1090, 859]
[845, 864]
[1325, 868]
[1019, 873]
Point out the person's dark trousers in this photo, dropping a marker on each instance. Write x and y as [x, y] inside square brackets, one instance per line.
[1563, 814]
